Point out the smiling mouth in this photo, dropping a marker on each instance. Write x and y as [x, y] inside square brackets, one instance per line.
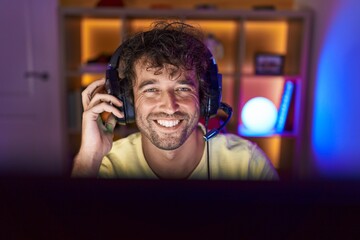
[168, 123]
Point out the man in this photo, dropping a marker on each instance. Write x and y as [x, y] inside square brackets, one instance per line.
[163, 72]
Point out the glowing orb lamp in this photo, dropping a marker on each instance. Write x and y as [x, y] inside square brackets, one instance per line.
[259, 115]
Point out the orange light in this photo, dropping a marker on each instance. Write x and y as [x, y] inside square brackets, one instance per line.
[264, 36]
[270, 35]
[86, 79]
[99, 36]
[139, 25]
[273, 150]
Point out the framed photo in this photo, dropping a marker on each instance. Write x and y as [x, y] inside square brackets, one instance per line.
[269, 64]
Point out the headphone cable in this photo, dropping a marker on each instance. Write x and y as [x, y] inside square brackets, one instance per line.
[208, 135]
[207, 150]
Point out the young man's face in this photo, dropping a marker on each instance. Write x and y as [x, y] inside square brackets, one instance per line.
[166, 104]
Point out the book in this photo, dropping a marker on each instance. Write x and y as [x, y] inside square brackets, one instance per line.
[286, 100]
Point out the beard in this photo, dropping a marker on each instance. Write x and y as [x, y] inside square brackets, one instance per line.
[168, 140]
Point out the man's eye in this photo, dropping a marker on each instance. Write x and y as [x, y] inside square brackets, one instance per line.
[150, 90]
[184, 89]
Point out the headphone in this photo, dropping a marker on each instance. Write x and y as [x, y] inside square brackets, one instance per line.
[114, 86]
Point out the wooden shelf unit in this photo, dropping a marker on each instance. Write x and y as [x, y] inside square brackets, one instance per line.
[88, 32]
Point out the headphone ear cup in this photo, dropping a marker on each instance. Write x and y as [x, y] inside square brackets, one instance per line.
[129, 109]
[214, 80]
[113, 87]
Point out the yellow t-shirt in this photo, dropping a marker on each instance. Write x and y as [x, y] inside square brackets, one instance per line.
[231, 157]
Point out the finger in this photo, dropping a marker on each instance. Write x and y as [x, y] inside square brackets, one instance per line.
[110, 123]
[94, 112]
[90, 91]
[99, 98]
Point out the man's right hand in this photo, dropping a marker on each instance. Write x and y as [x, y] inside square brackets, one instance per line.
[97, 133]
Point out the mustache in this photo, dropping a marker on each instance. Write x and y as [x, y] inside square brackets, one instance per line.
[175, 115]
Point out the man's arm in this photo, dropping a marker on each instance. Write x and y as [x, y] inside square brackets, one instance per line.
[97, 134]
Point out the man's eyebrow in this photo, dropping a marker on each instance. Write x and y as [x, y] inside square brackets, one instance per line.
[147, 82]
[187, 81]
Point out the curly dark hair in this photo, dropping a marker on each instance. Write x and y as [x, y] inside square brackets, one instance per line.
[174, 43]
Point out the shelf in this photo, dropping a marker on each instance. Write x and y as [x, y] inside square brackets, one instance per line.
[269, 77]
[270, 134]
[239, 14]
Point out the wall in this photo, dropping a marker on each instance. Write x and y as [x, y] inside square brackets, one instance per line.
[333, 111]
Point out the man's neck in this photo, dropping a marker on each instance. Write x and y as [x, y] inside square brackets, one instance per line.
[178, 163]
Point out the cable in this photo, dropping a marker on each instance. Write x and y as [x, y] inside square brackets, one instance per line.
[208, 135]
[208, 161]
[207, 149]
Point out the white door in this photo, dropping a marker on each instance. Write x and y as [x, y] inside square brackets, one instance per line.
[31, 116]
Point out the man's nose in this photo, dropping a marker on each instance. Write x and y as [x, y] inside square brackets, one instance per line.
[169, 102]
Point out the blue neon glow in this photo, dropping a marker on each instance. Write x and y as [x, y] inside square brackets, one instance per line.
[336, 114]
[259, 115]
[284, 106]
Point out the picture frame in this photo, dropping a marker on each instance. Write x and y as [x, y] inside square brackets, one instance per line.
[269, 64]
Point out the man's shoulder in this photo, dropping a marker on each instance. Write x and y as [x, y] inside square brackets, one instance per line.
[124, 149]
[124, 158]
[233, 151]
[132, 139]
[231, 141]
[236, 148]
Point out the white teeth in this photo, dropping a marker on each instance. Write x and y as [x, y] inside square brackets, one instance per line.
[166, 123]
